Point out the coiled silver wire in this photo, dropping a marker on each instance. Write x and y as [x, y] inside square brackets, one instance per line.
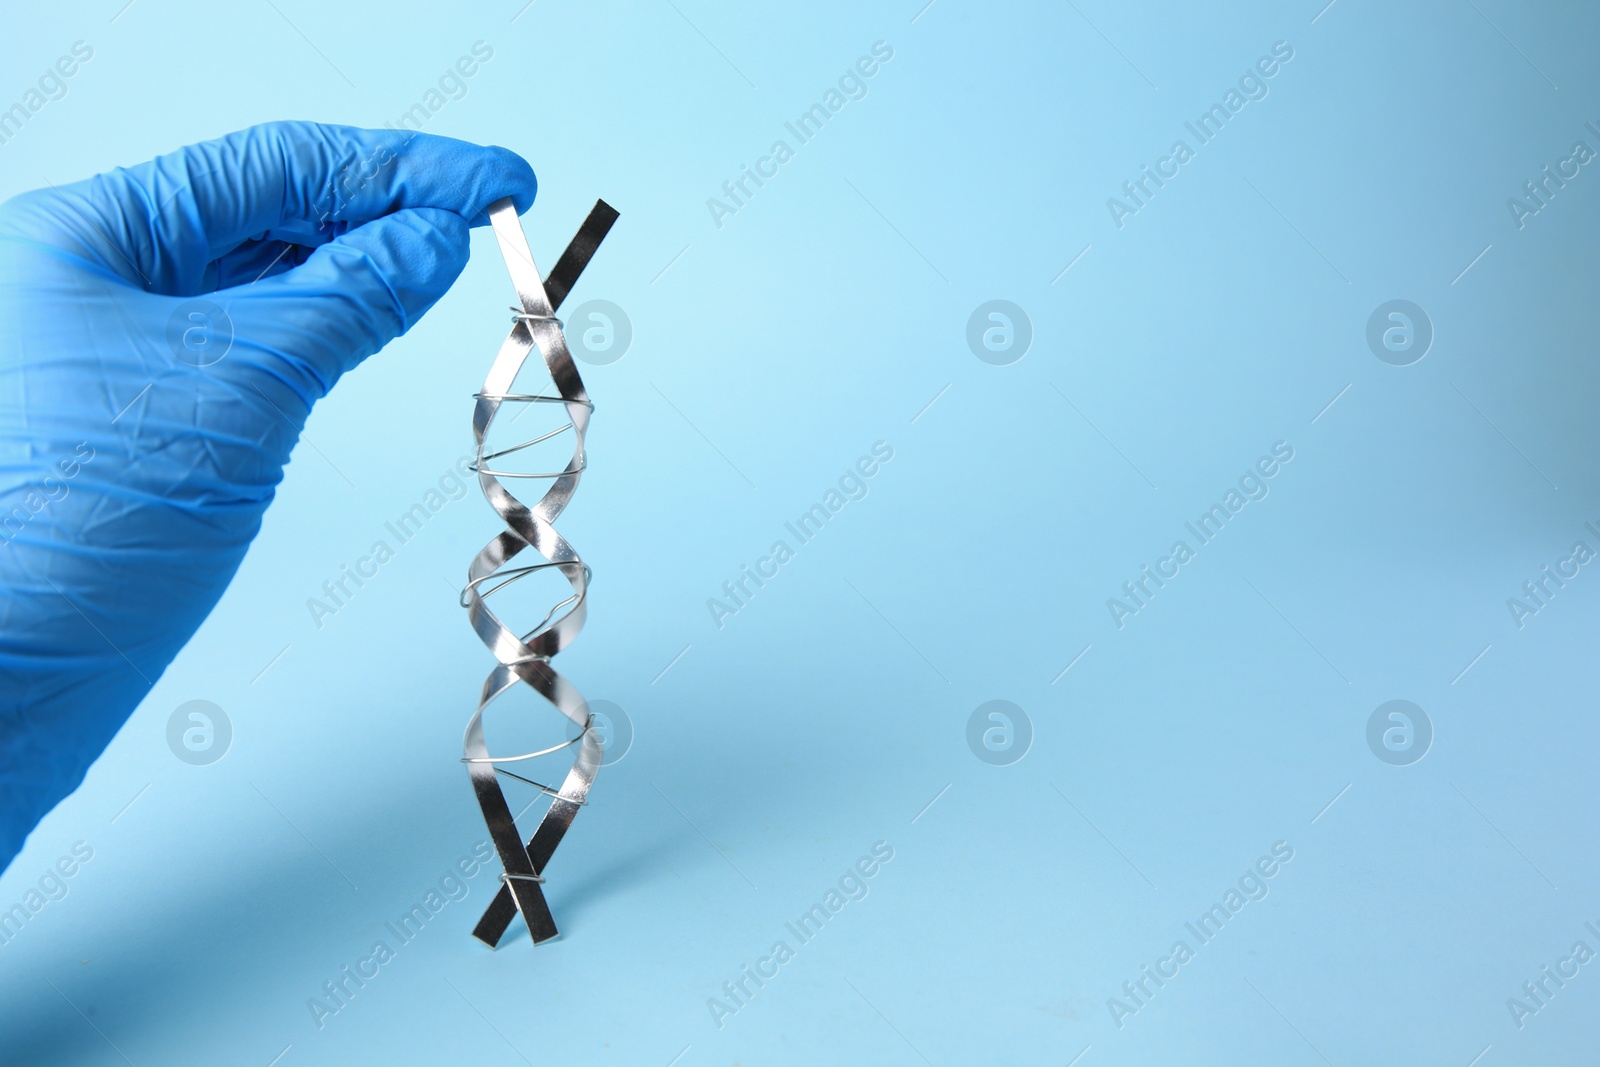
[524, 656]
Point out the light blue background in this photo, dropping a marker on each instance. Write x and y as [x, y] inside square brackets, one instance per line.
[824, 316]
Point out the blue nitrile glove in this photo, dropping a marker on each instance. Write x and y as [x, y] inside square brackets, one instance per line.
[164, 331]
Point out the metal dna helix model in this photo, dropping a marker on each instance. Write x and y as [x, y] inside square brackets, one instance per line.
[524, 657]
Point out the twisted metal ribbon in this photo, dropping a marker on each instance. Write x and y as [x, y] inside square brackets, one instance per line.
[525, 658]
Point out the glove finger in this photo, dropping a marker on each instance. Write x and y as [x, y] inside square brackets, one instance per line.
[163, 223]
[351, 297]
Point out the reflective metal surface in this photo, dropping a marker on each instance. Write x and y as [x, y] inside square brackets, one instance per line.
[525, 657]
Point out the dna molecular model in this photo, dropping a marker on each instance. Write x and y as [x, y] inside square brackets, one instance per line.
[524, 657]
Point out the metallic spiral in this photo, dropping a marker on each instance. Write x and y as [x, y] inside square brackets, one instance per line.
[525, 656]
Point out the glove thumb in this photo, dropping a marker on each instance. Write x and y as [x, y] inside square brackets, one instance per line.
[352, 296]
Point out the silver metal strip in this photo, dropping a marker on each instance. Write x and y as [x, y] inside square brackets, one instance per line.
[525, 658]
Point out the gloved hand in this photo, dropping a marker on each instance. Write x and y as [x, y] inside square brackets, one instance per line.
[142, 433]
